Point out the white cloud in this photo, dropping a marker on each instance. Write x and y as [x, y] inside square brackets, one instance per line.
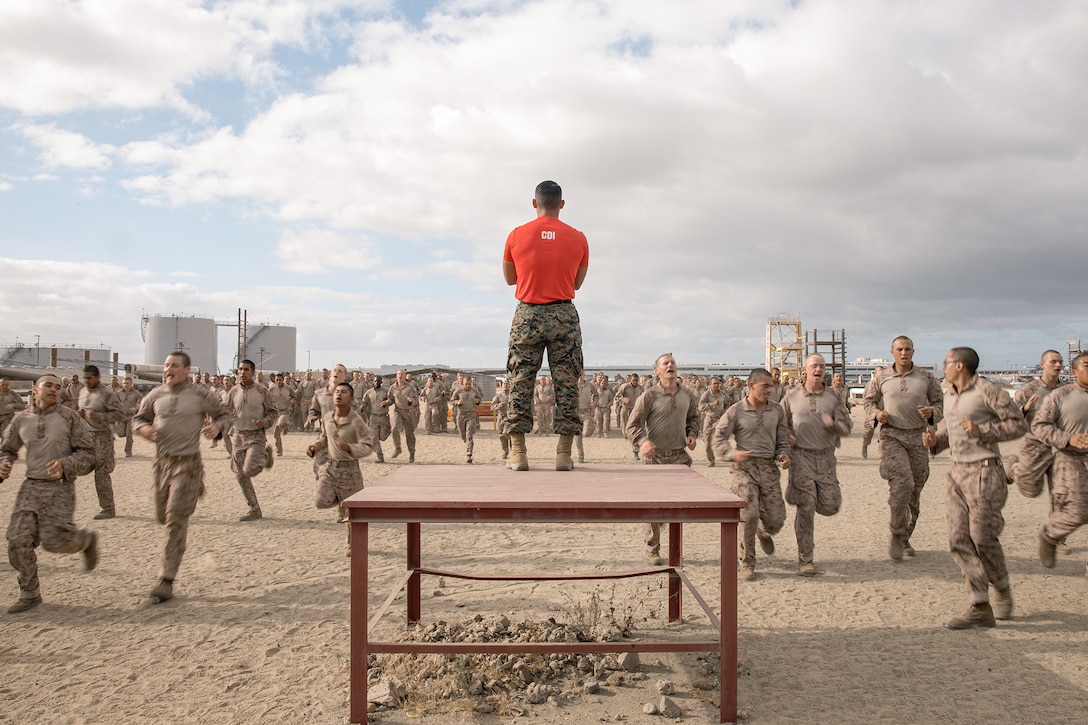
[58, 56]
[60, 148]
[318, 251]
[882, 167]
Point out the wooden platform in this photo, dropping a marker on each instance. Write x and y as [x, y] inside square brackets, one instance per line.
[420, 494]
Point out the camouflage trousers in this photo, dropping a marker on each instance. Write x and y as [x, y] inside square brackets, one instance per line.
[1033, 467]
[602, 419]
[379, 427]
[904, 464]
[432, 417]
[813, 488]
[404, 420]
[335, 482]
[504, 437]
[1070, 496]
[975, 496]
[652, 531]
[467, 426]
[124, 430]
[759, 482]
[534, 329]
[248, 458]
[283, 423]
[588, 426]
[179, 483]
[43, 514]
[709, 421]
[103, 467]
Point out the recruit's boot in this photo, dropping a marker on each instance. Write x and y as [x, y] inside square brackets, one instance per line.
[563, 460]
[976, 616]
[519, 457]
[1001, 602]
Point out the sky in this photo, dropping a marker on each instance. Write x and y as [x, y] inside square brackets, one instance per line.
[352, 168]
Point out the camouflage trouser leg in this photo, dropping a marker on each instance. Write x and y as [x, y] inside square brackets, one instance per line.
[904, 464]
[814, 489]
[103, 467]
[379, 427]
[603, 421]
[534, 329]
[652, 531]
[179, 483]
[467, 427]
[128, 436]
[406, 420]
[1034, 461]
[247, 460]
[708, 433]
[336, 481]
[1070, 496]
[758, 482]
[974, 497]
[43, 514]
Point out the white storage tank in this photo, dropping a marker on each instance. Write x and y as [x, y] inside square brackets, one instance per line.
[194, 334]
[272, 347]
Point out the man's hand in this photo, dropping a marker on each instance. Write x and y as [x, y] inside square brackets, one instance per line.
[691, 443]
[151, 433]
[1079, 440]
[968, 425]
[647, 449]
[883, 416]
[929, 438]
[54, 468]
[210, 430]
[5, 469]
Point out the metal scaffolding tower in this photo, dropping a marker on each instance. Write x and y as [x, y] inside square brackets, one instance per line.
[785, 346]
[832, 345]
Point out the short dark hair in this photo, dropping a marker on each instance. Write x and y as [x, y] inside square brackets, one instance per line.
[345, 384]
[1079, 360]
[92, 369]
[548, 194]
[1047, 352]
[184, 357]
[248, 362]
[758, 374]
[967, 356]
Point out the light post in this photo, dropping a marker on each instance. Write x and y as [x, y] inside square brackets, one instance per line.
[307, 359]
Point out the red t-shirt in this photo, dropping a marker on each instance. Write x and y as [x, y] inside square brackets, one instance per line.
[546, 254]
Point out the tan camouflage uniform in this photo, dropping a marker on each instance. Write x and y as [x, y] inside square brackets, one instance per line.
[252, 412]
[904, 460]
[1064, 413]
[178, 413]
[45, 507]
[977, 487]
[757, 480]
[813, 485]
[1034, 458]
[107, 411]
[130, 403]
[668, 420]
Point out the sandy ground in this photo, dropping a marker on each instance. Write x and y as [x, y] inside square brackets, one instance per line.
[258, 631]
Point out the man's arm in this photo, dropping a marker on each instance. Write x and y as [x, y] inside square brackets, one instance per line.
[510, 274]
[578, 278]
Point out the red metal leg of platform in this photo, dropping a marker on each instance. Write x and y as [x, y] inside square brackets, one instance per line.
[727, 637]
[414, 560]
[359, 636]
[676, 558]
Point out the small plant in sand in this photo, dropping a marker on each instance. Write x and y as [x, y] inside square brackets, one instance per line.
[506, 684]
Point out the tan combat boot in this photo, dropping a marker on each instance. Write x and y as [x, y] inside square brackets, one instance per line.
[519, 457]
[563, 460]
